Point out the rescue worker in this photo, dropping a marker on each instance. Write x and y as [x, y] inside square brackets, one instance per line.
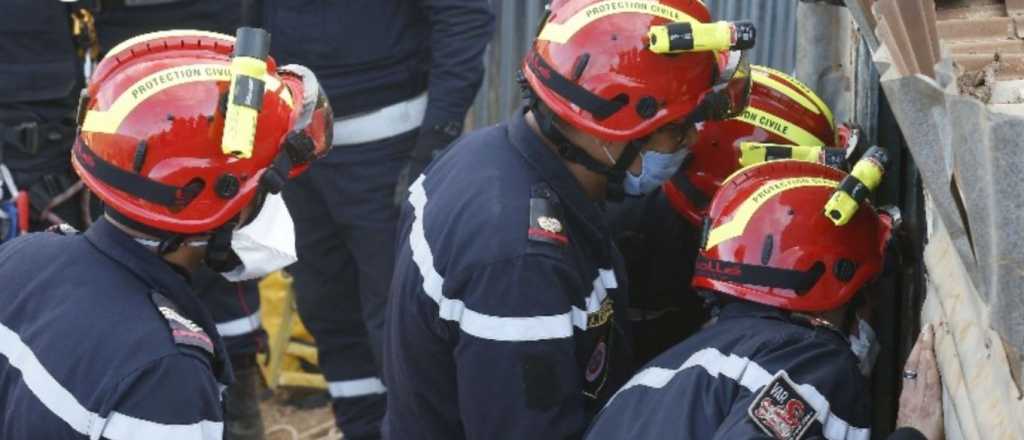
[48, 48]
[784, 279]
[401, 75]
[103, 337]
[505, 319]
[659, 233]
[234, 306]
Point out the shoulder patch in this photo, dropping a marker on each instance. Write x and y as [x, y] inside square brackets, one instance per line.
[63, 229]
[780, 410]
[547, 225]
[183, 330]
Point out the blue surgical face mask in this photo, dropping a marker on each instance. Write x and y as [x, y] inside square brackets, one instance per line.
[656, 169]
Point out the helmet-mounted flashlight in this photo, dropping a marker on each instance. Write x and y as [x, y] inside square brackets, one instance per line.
[720, 36]
[245, 99]
[752, 153]
[866, 176]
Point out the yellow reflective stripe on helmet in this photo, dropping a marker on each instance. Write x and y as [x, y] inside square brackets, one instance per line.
[108, 121]
[767, 81]
[738, 223]
[562, 32]
[808, 98]
[165, 34]
[774, 124]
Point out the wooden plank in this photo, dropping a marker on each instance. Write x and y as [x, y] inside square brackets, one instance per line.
[977, 29]
[1014, 7]
[986, 47]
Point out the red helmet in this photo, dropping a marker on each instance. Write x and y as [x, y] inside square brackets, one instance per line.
[768, 240]
[595, 66]
[153, 121]
[782, 111]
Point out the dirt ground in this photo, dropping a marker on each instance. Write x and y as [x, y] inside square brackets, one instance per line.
[283, 421]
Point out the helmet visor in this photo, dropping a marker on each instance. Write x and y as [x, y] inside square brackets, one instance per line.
[733, 86]
[730, 94]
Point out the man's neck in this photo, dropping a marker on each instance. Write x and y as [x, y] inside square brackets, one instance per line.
[594, 185]
[188, 258]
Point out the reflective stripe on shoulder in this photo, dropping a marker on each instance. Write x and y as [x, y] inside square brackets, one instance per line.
[63, 404]
[497, 328]
[752, 377]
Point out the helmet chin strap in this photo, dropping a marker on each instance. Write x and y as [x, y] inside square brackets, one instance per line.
[615, 173]
[219, 255]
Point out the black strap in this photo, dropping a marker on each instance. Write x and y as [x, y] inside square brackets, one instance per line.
[797, 281]
[30, 137]
[599, 107]
[615, 174]
[219, 255]
[171, 197]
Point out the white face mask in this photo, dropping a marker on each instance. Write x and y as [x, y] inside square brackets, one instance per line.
[265, 245]
[656, 169]
[865, 346]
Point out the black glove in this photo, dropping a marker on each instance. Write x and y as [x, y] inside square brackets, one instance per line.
[428, 145]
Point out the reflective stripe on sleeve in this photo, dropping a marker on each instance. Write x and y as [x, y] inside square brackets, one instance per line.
[496, 328]
[240, 326]
[752, 377]
[63, 404]
[356, 388]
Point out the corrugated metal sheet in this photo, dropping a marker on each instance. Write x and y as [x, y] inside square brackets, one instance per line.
[776, 26]
[517, 24]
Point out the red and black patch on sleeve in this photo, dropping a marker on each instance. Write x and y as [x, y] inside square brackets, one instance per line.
[183, 330]
[780, 411]
[546, 221]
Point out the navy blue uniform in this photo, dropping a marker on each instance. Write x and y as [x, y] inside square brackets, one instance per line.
[235, 308]
[660, 249]
[400, 75]
[726, 382]
[101, 338]
[504, 320]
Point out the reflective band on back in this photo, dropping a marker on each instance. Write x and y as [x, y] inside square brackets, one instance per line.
[751, 376]
[562, 32]
[741, 217]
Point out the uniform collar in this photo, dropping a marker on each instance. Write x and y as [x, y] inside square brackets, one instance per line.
[746, 309]
[162, 279]
[551, 169]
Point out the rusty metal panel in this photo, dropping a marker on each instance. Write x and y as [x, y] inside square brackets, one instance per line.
[776, 27]
[517, 24]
